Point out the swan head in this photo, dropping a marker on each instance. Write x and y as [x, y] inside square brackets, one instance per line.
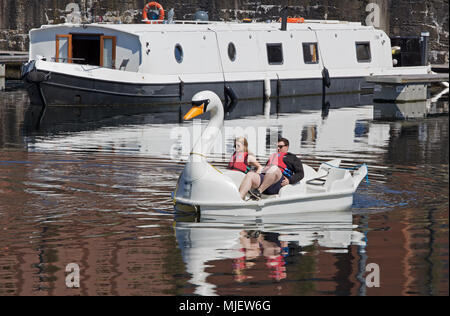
[202, 102]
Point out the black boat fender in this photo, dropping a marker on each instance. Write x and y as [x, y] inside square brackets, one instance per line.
[326, 77]
[326, 83]
[37, 77]
[31, 75]
[231, 99]
[26, 68]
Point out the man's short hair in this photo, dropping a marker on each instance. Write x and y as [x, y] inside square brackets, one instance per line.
[284, 140]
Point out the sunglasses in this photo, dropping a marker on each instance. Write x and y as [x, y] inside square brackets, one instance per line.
[281, 146]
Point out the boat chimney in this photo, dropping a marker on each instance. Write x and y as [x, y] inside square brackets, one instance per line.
[201, 16]
[170, 16]
[284, 14]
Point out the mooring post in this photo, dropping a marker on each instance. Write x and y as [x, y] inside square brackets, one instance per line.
[424, 47]
[267, 93]
[2, 77]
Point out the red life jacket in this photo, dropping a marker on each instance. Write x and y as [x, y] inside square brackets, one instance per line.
[277, 159]
[239, 162]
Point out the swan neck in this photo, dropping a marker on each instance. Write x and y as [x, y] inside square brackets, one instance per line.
[205, 143]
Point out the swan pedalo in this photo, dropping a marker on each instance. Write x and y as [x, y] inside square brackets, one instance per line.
[213, 191]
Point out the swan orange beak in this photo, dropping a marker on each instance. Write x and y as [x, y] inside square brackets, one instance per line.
[194, 112]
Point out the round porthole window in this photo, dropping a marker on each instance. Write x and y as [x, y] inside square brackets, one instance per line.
[232, 51]
[179, 53]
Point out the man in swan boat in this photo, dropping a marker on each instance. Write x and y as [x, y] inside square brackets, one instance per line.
[282, 168]
[242, 160]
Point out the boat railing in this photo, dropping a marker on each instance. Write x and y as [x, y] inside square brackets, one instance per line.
[177, 22]
[240, 22]
[65, 59]
[332, 22]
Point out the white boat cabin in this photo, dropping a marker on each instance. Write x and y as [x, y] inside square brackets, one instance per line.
[217, 49]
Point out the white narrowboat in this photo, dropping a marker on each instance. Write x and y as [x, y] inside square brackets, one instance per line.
[162, 65]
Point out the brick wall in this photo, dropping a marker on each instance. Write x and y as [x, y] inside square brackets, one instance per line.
[398, 17]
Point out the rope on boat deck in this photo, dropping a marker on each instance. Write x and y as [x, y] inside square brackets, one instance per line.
[353, 168]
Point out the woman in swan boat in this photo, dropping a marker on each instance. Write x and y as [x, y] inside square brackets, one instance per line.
[243, 160]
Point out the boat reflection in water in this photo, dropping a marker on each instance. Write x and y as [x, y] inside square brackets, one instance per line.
[258, 248]
[437, 104]
[310, 128]
[77, 118]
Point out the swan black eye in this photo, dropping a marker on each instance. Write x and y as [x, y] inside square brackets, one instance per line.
[200, 103]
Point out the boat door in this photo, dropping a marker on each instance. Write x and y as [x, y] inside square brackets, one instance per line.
[86, 49]
[63, 49]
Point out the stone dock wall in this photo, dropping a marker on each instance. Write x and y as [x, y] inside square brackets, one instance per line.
[396, 17]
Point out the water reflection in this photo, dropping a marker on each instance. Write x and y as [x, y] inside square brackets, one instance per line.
[12, 108]
[400, 111]
[334, 131]
[345, 130]
[418, 142]
[436, 105]
[98, 193]
[260, 249]
[69, 119]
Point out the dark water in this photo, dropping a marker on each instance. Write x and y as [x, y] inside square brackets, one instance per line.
[99, 195]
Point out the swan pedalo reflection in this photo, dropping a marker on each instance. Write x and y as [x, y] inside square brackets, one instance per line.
[213, 191]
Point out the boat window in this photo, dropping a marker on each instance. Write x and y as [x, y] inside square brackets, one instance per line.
[275, 54]
[179, 53]
[363, 52]
[310, 53]
[108, 52]
[232, 52]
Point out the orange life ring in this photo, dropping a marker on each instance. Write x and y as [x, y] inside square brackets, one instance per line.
[148, 6]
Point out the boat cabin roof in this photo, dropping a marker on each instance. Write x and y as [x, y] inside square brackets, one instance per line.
[194, 26]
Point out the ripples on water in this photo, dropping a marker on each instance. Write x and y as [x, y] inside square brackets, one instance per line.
[98, 194]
